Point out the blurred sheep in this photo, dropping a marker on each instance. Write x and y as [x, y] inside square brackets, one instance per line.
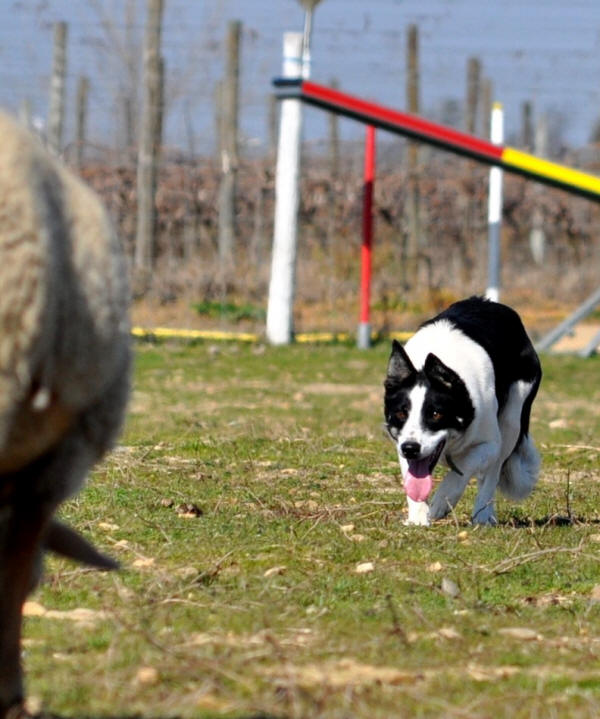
[64, 369]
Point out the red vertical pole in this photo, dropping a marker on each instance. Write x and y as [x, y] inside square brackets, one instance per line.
[364, 328]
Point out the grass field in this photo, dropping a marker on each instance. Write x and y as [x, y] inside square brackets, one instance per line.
[256, 508]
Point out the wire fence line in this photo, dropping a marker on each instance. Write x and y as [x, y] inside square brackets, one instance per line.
[364, 48]
[450, 260]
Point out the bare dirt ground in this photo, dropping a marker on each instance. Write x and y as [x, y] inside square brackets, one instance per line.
[578, 338]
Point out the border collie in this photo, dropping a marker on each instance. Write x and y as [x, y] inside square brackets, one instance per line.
[460, 392]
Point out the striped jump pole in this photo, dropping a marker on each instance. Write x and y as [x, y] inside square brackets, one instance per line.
[415, 127]
[364, 327]
[447, 138]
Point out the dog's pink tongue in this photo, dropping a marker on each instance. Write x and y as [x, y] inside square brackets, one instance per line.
[418, 481]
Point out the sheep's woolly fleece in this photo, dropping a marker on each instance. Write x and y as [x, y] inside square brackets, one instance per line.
[64, 368]
[63, 305]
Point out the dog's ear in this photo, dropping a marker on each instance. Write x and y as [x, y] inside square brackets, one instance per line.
[400, 367]
[440, 374]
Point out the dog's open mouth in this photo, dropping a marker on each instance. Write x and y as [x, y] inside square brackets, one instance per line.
[418, 481]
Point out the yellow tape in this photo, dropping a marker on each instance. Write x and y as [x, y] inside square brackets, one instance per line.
[170, 333]
[303, 337]
[219, 335]
[551, 170]
[400, 336]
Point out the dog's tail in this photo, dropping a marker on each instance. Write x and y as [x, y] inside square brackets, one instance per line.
[520, 471]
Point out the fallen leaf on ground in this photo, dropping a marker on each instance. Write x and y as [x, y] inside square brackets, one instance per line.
[523, 633]
[551, 599]
[449, 633]
[212, 703]
[274, 570]
[357, 537]
[108, 526]
[309, 504]
[187, 572]
[298, 638]
[33, 705]
[344, 673]
[559, 423]
[450, 587]
[80, 615]
[147, 676]
[143, 562]
[485, 674]
[33, 609]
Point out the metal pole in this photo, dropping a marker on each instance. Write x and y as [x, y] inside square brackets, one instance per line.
[567, 325]
[306, 59]
[309, 6]
[364, 327]
[495, 208]
[591, 347]
[283, 264]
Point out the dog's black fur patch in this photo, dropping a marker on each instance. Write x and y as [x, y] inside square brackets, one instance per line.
[499, 330]
[447, 402]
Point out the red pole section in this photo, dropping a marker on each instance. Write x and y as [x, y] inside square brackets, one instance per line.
[364, 333]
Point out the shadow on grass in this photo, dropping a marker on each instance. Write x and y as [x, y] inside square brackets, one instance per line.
[554, 520]
[44, 715]
[144, 716]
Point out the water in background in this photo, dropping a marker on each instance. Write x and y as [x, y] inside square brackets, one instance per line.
[543, 51]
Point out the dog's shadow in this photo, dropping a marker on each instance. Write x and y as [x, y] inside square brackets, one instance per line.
[553, 520]
[45, 715]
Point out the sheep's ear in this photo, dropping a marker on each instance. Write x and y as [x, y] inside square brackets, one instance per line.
[65, 541]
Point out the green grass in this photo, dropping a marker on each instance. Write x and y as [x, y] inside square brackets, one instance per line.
[230, 311]
[252, 605]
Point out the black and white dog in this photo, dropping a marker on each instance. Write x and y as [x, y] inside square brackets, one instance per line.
[460, 392]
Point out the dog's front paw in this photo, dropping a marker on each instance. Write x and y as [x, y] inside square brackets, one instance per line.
[418, 513]
[439, 507]
[485, 517]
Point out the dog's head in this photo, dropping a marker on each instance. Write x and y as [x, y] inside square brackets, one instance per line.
[425, 410]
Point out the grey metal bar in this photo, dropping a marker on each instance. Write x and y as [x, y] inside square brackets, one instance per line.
[582, 311]
[590, 348]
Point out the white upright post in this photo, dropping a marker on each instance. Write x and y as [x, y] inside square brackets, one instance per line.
[495, 208]
[280, 327]
[537, 236]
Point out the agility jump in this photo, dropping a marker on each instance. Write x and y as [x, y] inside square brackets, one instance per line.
[418, 128]
[293, 90]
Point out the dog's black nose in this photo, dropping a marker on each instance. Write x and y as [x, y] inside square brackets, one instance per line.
[411, 450]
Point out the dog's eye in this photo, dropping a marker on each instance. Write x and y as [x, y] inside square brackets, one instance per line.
[401, 415]
[436, 416]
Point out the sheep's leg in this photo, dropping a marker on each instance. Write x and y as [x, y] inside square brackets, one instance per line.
[21, 530]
